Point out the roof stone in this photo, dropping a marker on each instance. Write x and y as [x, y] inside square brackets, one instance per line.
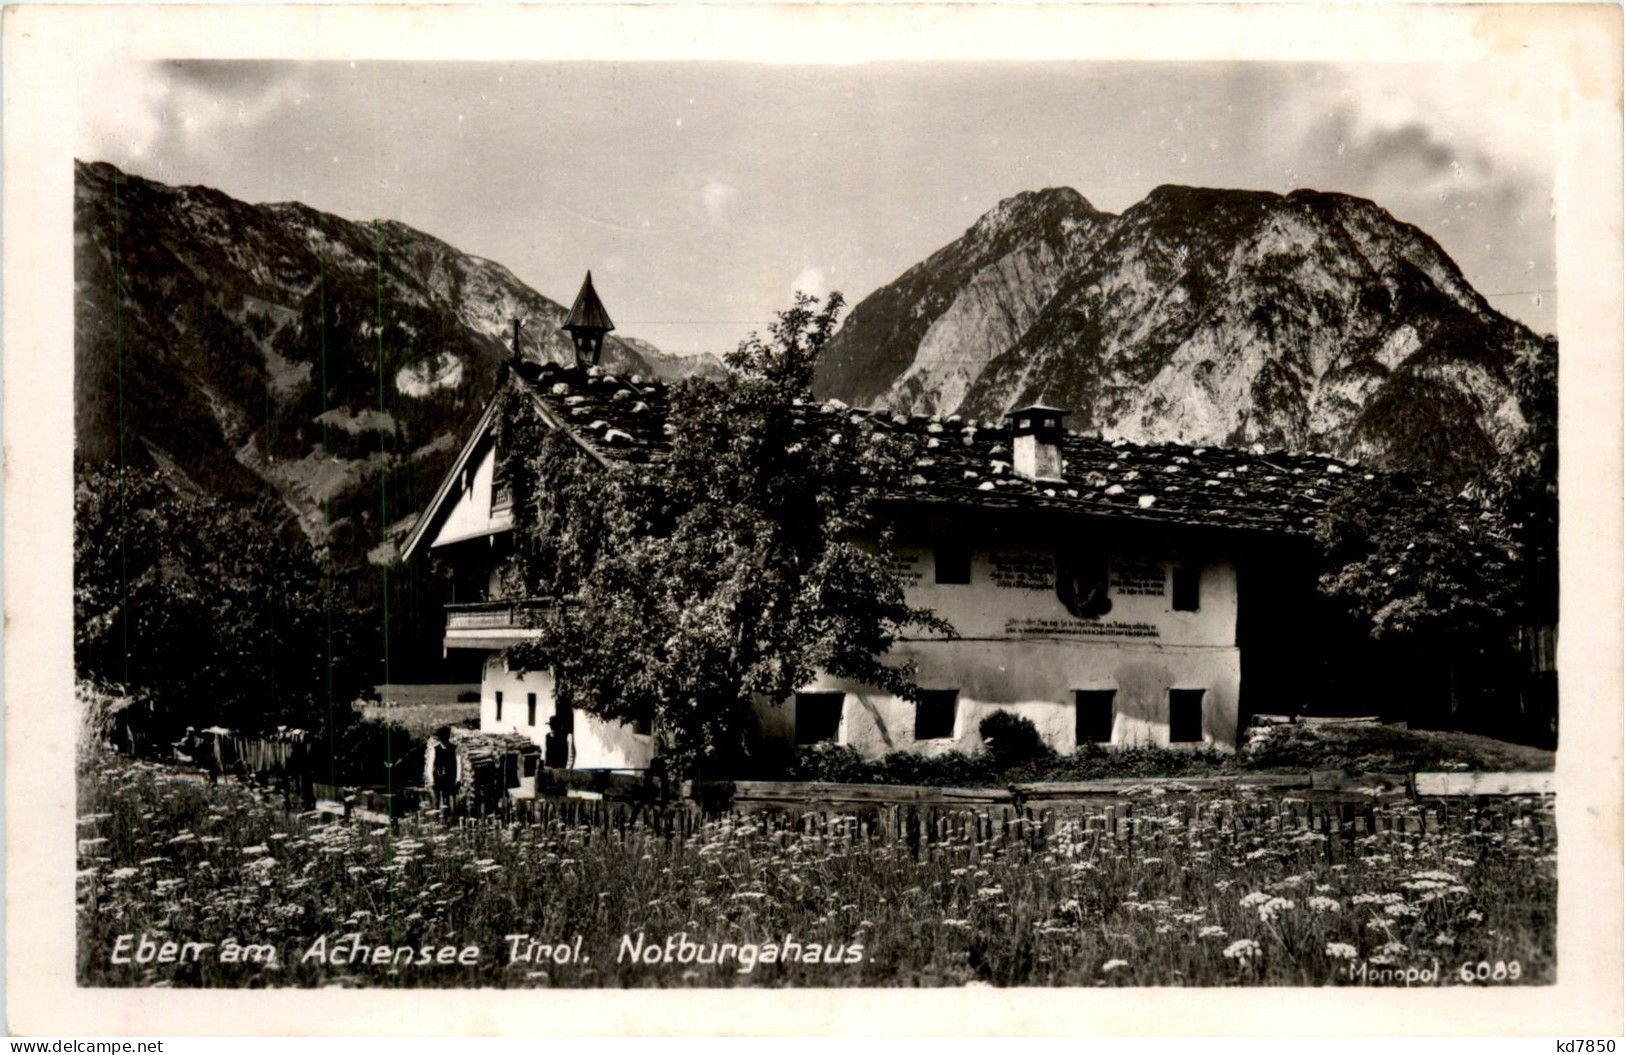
[1257, 489]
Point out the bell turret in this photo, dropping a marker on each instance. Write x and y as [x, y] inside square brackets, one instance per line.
[588, 323]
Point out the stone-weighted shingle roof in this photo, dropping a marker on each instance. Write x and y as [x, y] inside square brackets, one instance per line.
[963, 462]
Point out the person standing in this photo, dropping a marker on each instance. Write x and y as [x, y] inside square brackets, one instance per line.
[442, 768]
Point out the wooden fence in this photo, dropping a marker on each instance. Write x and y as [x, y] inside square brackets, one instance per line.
[555, 793]
[931, 823]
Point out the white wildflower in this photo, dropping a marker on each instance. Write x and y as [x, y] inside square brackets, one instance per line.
[1243, 951]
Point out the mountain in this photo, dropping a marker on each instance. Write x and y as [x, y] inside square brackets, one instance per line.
[278, 349]
[917, 343]
[1308, 321]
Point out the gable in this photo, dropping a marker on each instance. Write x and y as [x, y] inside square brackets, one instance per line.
[474, 507]
[454, 495]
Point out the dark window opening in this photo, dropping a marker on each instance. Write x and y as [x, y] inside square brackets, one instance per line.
[1096, 713]
[1185, 716]
[499, 706]
[934, 714]
[953, 564]
[530, 763]
[642, 725]
[818, 716]
[530, 709]
[1187, 589]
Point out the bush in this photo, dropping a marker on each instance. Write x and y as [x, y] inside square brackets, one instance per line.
[370, 754]
[836, 763]
[840, 764]
[1012, 739]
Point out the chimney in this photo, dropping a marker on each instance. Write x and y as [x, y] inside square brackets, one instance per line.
[1035, 442]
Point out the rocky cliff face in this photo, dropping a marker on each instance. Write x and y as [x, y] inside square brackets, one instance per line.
[336, 364]
[919, 342]
[1311, 322]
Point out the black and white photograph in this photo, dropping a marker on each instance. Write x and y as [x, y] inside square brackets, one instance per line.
[599, 523]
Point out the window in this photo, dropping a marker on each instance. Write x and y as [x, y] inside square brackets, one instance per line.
[934, 714]
[499, 705]
[641, 725]
[818, 716]
[1096, 712]
[953, 564]
[1187, 589]
[530, 709]
[1185, 716]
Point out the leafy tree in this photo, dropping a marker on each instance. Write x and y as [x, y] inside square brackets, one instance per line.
[1522, 487]
[747, 560]
[220, 614]
[1416, 565]
[1432, 580]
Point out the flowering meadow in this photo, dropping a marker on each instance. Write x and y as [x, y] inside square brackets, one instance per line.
[184, 884]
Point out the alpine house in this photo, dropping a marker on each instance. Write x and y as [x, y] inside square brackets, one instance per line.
[1112, 593]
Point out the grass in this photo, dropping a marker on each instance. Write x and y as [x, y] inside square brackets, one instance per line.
[422, 709]
[1229, 895]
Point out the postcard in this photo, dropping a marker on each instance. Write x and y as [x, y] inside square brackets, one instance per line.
[745, 519]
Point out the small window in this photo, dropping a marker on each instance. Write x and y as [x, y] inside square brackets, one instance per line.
[1185, 716]
[818, 716]
[499, 705]
[1187, 589]
[1096, 714]
[641, 726]
[953, 564]
[530, 761]
[530, 709]
[934, 714]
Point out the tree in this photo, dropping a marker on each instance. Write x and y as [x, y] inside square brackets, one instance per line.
[1432, 580]
[1522, 486]
[1415, 564]
[746, 561]
[221, 614]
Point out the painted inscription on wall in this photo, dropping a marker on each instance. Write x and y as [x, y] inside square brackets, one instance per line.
[1141, 580]
[1079, 628]
[906, 566]
[1022, 571]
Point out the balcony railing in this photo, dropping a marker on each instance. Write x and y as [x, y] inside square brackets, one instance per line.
[481, 618]
[501, 497]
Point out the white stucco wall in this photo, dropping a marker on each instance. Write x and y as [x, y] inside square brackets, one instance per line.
[469, 512]
[1020, 650]
[599, 744]
[1011, 594]
[1036, 680]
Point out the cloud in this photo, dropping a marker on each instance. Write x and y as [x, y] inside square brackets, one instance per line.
[716, 196]
[810, 280]
[1437, 125]
[1408, 145]
[1411, 155]
[133, 110]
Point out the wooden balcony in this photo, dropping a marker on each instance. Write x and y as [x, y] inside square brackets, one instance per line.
[494, 624]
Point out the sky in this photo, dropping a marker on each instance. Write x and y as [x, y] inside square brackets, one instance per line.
[702, 195]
